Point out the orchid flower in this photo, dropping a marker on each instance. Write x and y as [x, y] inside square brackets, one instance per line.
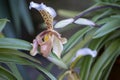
[84, 52]
[49, 40]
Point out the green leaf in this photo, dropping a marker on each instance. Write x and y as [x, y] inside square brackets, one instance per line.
[107, 28]
[8, 58]
[7, 55]
[113, 35]
[102, 15]
[85, 67]
[14, 6]
[116, 16]
[108, 64]
[3, 23]
[25, 16]
[57, 61]
[97, 43]
[15, 71]
[18, 53]
[86, 63]
[105, 20]
[14, 44]
[44, 71]
[107, 71]
[108, 19]
[40, 77]
[75, 38]
[107, 55]
[67, 58]
[6, 75]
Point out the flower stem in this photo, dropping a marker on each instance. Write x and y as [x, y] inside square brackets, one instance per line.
[92, 9]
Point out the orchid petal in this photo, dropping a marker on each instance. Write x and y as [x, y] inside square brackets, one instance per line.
[37, 6]
[45, 43]
[34, 5]
[34, 51]
[64, 40]
[57, 46]
[64, 23]
[83, 21]
[42, 7]
[46, 47]
[51, 11]
[86, 51]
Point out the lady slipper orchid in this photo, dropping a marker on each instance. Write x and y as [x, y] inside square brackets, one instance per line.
[48, 40]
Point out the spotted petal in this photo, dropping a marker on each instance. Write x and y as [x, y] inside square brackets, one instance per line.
[57, 46]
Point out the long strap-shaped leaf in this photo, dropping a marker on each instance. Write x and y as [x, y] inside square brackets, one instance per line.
[14, 44]
[12, 52]
[75, 38]
[15, 71]
[8, 57]
[6, 75]
[67, 58]
[109, 52]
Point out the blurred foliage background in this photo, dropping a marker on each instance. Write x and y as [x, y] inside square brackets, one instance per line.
[18, 14]
[26, 24]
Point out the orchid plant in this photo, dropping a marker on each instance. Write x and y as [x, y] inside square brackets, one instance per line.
[88, 54]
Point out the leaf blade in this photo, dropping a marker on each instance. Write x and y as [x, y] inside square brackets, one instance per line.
[5, 74]
[107, 28]
[14, 44]
[3, 23]
[15, 71]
